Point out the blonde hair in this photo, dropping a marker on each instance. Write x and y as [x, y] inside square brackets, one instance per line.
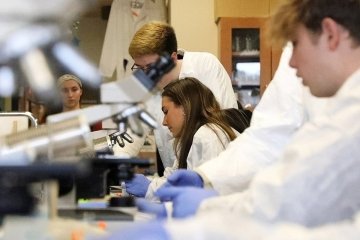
[153, 38]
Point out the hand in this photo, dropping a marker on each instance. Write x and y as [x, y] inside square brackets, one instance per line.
[142, 231]
[185, 178]
[186, 200]
[137, 186]
[146, 206]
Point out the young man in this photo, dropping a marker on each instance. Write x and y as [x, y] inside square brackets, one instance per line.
[315, 181]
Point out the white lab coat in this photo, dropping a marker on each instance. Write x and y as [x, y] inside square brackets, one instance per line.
[206, 145]
[123, 22]
[283, 109]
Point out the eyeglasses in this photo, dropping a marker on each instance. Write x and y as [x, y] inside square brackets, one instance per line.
[136, 67]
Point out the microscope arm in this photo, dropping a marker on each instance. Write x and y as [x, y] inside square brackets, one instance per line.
[93, 114]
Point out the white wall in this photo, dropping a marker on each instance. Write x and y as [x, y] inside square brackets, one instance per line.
[193, 21]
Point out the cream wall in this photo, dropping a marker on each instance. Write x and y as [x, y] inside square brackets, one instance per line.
[193, 21]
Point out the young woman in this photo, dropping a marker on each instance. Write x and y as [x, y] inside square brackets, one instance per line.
[196, 122]
[200, 129]
[70, 88]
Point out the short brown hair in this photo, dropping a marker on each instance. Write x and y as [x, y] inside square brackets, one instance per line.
[153, 38]
[310, 13]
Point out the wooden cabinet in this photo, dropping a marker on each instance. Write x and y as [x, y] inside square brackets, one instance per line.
[247, 56]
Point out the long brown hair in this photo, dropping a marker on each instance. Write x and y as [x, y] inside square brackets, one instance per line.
[200, 107]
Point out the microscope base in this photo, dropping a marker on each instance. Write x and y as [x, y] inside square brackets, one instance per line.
[96, 214]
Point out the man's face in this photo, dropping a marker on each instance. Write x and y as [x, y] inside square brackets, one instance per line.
[145, 61]
[310, 58]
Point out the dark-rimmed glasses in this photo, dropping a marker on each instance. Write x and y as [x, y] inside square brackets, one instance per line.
[137, 67]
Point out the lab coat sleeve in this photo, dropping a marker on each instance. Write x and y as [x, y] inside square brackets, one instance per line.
[213, 226]
[278, 115]
[157, 182]
[313, 189]
[316, 182]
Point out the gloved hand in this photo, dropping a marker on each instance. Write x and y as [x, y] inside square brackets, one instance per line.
[146, 206]
[185, 178]
[186, 200]
[153, 230]
[137, 186]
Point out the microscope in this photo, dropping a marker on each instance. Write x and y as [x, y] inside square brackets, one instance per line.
[32, 50]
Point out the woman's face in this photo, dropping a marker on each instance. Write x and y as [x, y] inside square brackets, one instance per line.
[174, 116]
[71, 94]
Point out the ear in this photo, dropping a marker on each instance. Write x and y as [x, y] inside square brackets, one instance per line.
[174, 57]
[332, 32]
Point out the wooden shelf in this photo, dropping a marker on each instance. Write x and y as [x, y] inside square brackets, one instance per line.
[227, 27]
[246, 54]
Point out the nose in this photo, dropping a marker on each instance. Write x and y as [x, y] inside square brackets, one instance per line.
[164, 123]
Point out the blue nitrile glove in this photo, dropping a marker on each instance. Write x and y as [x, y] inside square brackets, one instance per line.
[186, 200]
[137, 186]
[183, 178]
[153, 230]
[146, 206]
